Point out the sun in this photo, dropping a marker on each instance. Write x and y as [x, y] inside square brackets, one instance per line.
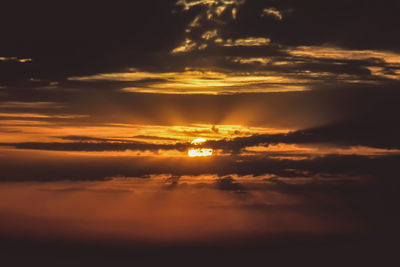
[199, 152]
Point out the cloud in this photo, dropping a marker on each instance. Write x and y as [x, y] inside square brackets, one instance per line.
[210, 20]
[208, 35]
[96, 53]
[99, 145]
[246, 45]
[229, 184]
[353, 133]
[296, 217]
[337, 53]
[16, 59]
[88, 139]
[203, 81]
[346, 134]
[159, 138]
[97, 139]
[250, 42]
[242, 69]
[56, 166]
[20, 105]
[41, 116]
[213, 8]
[272, 12]
[187, 46]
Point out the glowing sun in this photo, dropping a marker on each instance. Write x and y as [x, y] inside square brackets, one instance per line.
[199, 152]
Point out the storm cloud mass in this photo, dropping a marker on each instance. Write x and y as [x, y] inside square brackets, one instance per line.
[295, 103]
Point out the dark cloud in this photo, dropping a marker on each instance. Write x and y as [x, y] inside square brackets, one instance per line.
[347, 134]
[354, 24]
[87, 167]
[159, 138]
[229, 184]
[97, 146]
[87, 139]
[142, 35]
[173, 182]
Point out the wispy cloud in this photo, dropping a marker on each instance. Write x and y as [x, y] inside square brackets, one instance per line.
[203, 82]
[187, 46]
[209, 21]
[249, 42]
[337, 53]
[40, 116]
[16, 59]
[29, 105]
[272, 12]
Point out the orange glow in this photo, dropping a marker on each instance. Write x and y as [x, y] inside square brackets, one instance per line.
[112, 207]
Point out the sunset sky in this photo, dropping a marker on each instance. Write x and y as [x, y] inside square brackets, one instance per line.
[200, 126]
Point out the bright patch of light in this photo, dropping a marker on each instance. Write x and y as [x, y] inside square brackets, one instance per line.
[198, 141]
[200, 152]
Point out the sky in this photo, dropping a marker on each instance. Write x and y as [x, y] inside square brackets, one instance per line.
[199, 127]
